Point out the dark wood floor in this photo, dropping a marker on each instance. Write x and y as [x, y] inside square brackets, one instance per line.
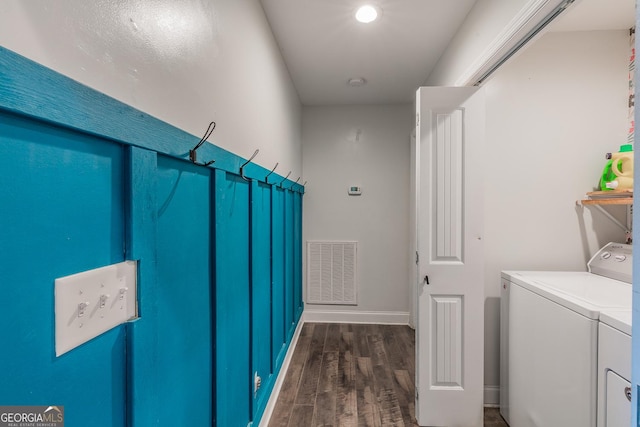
[352, 375]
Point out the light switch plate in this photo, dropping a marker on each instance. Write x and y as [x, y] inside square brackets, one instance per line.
[90, 303]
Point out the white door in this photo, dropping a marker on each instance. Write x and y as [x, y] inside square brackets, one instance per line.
[450, 331]
[413, 230]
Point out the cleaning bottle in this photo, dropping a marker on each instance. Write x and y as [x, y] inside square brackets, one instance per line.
[618, 172]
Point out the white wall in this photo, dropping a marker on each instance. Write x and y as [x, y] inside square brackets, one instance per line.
[490, 29]
[186, 63]
[366, 146]
[552, 114]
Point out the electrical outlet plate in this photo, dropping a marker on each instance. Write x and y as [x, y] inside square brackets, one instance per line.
[90, 303]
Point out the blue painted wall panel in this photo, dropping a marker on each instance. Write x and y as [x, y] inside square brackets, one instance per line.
[232, 298]
[183, 298]
[63, 194]
[297, 256]
[261, 291]
[278, 328]
[289, 272]
[62, 213]
[143, 336]
[29, 89]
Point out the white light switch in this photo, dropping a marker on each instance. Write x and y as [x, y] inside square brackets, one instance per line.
[90, 303]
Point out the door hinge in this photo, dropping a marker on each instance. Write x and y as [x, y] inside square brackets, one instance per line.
[418, 119]
[417, 394]
[417, 257]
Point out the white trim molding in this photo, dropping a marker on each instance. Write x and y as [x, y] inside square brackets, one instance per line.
[534, 13]
[491, 396]
[375, 317]
[275, 392]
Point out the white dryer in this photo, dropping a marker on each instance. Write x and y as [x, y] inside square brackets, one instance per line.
[614, 369]
[549, 339]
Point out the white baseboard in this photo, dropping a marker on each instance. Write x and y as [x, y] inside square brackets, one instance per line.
[491, 396]
[273, 399]
[376, 317]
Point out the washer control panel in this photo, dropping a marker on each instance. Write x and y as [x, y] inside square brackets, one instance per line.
[614, 260]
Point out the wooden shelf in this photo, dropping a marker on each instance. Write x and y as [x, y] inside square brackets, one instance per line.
[616, 201]
[623, 197]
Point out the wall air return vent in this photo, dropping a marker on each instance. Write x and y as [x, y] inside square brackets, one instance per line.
[331, 272]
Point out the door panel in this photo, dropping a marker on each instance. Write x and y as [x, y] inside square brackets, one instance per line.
[450, 311]
[447, 180]
[446, 339]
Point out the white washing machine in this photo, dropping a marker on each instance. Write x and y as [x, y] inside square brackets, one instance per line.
[614, 369]
[549, 339]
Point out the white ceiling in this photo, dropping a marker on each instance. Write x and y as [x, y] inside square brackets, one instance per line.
[323, 45]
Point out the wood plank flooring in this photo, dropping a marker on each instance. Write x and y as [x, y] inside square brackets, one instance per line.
[352, 375]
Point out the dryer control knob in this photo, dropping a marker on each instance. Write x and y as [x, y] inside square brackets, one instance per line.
[620, 258]
[605, 255]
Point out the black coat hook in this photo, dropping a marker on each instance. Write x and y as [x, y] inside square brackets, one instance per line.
[285, 178]
[255, 153]
[193, 156]
[291, 188]
[266, 178]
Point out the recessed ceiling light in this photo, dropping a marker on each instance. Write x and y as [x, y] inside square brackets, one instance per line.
[366, 14]
[357, 81]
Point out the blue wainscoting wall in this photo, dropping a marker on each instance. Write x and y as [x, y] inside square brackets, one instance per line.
[261, 291]
[86, 181]
[61, 212]
[183, 292]
[233, 299]
[279, 330]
